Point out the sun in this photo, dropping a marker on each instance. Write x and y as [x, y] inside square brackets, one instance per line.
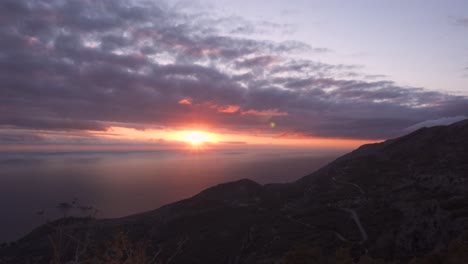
[196, 137]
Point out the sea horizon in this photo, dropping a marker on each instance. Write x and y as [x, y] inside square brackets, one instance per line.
[118, 183]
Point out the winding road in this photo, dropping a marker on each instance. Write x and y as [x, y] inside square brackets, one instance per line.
[356, 219]
[352, 212]
[350, 183]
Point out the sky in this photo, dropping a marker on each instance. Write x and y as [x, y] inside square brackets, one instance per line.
[292, 73]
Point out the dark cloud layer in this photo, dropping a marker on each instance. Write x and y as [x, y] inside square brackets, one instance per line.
[78, 65]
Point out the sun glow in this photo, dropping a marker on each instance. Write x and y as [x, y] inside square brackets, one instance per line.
[124, 137]
[196, 137]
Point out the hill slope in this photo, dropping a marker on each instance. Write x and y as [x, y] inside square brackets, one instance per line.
[394, 200]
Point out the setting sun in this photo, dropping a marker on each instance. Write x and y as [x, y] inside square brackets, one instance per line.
[196, 137]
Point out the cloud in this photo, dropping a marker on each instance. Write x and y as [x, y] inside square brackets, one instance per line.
[185, 101]
[82, 65]
[269, 112]
[261, 61]
[233, 142]
[10, 138]
[230, 109]
[444, 121]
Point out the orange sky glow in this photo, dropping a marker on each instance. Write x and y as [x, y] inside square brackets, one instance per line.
[154, 135]
[124, 138]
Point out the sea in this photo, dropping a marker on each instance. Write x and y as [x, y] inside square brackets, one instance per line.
[112, 184]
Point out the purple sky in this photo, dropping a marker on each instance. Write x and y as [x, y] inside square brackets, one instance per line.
[420, 43]
[331, 69]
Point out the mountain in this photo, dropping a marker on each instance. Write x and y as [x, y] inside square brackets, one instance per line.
[395, 200]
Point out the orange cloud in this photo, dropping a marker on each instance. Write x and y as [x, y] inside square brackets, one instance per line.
[229, 109]
[269, 112]
[185, 101]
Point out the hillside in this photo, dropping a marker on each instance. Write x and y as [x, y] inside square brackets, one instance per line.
[395, 200]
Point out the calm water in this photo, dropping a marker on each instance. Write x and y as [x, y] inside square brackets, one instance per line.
[123, 183]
